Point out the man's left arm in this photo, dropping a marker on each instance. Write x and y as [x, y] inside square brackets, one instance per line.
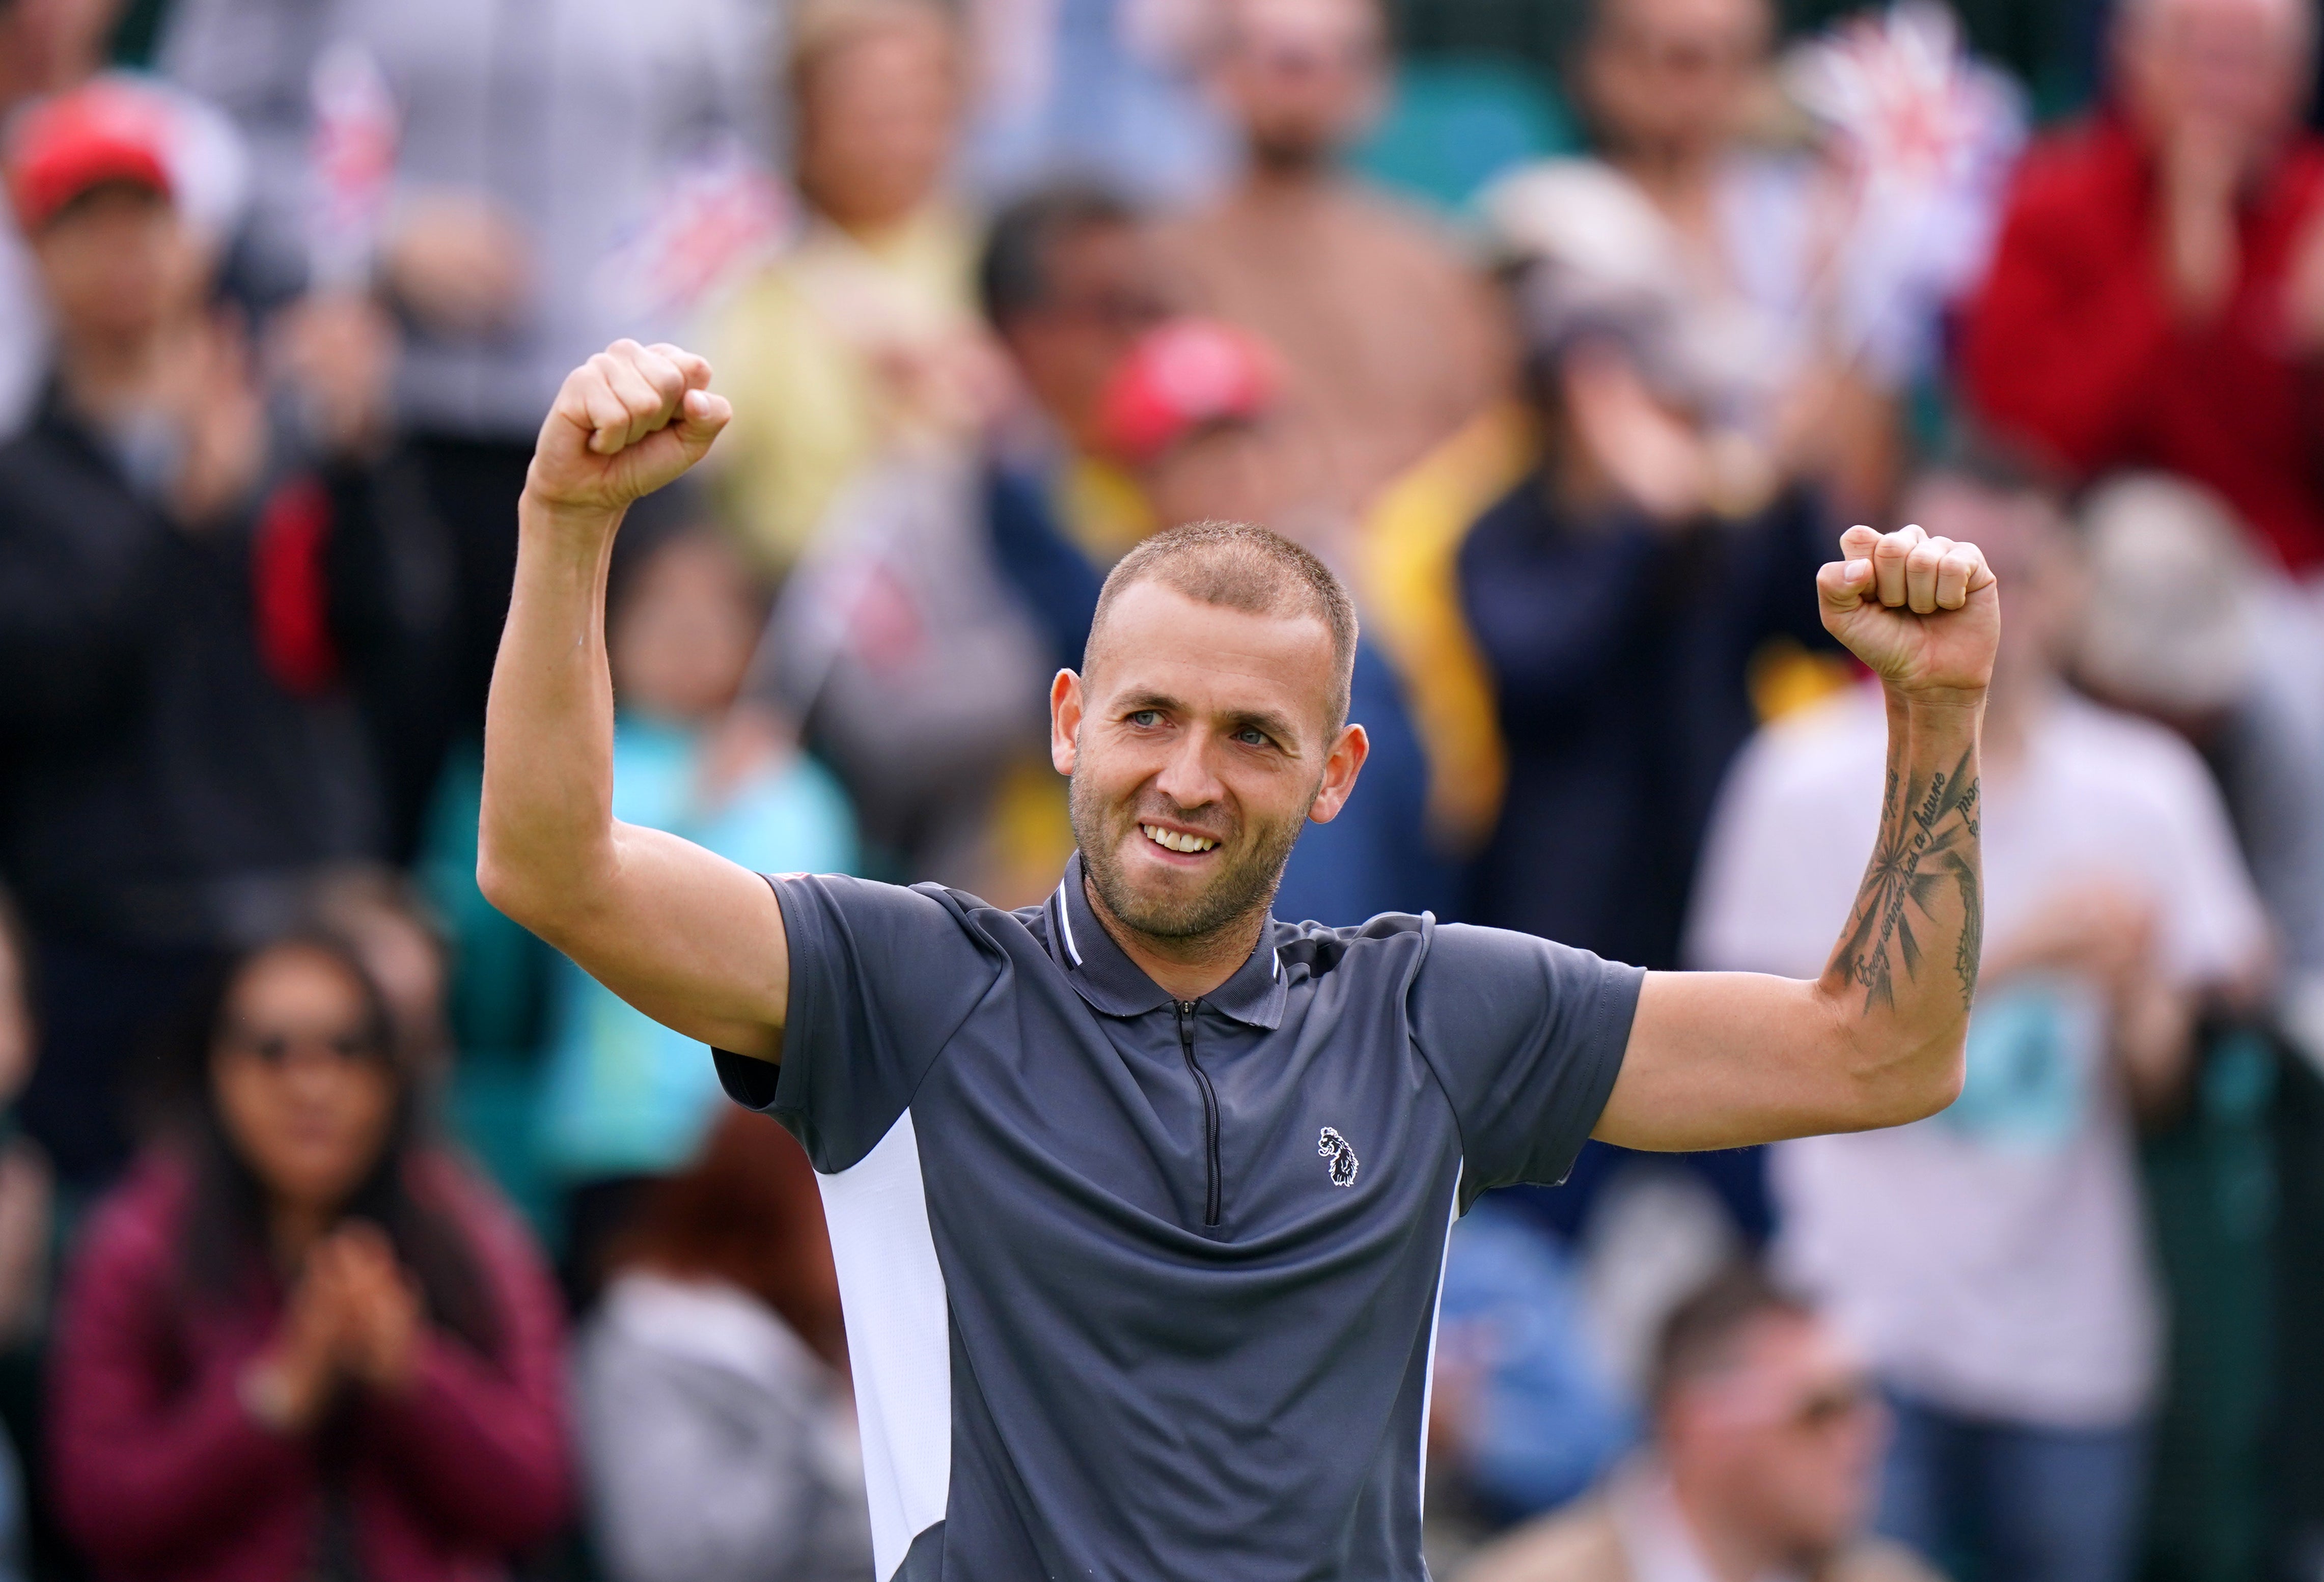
[1723, 1059]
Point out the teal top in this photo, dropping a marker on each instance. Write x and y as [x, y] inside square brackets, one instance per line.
[622, 1094]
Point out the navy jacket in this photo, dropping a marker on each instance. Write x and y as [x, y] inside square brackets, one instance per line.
[1621, 653]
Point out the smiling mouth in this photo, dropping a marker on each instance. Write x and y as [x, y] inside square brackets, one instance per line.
[1177, 840]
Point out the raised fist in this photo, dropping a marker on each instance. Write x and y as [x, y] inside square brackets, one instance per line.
[1924, 614]
[627, 421]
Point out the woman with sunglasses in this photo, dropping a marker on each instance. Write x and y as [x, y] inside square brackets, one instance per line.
[301, 1342]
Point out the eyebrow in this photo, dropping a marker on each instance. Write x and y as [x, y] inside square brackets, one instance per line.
[1274, 724]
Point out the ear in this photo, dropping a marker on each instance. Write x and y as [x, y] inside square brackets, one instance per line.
[1065, 720]
[1340, 772]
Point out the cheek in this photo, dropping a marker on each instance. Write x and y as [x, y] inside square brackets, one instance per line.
[248, 1106]
[354, 1112]
[370, 1106]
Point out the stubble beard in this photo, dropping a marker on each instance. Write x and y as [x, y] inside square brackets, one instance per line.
[1241, 888]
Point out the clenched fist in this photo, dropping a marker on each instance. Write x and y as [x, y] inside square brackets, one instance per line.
[627, 421]
[1924, 614]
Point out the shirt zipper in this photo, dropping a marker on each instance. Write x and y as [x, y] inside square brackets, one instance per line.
[1210, 1110]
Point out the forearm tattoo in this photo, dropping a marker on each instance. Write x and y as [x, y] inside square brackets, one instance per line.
[1928, 845]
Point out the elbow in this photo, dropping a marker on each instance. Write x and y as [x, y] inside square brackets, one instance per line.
[1938, 1082]
[1892, 1078]
[515, 890]
[1898, 1092]
[501, 883]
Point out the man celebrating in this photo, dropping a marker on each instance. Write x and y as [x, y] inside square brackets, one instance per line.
[1139, 1196]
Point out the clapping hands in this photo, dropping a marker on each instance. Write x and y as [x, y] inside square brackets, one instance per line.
[354, 1319]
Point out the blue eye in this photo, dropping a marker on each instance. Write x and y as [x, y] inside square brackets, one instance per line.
[1145, 718]
[1251, 736]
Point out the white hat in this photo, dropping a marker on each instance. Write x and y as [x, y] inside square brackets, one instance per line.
[2170, 621]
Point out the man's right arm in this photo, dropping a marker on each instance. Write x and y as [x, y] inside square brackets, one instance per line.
[690, 939]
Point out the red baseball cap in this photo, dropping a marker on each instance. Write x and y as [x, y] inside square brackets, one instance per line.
[1180, 377]
[99, 133]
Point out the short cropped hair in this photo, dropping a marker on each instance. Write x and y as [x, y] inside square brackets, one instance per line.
[1700, 1335]
[1237, 566]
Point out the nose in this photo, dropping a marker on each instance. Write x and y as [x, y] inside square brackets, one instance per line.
[1186, 776]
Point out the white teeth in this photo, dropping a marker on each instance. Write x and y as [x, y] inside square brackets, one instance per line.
[1175, 841]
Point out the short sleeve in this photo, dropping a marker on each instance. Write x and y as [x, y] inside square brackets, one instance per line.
[881, 978]
[1527, 1036]
[2214, 927]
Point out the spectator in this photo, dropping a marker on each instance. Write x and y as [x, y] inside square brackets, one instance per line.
[552, 181]
[1191, 412]
[26, 69]
[1619, 612]
[718, 1361]
[1783, 264]
[915, 638]
[625, 1100]
[302, 1341]
[1070, 280]
[182, 758]
[1993, 1258]
[862, 337]
[380, 914]
[1765, 1438]
[1102, 89]
[2157, 299]
[2178, 630]
[1392, 340]
[47, 48]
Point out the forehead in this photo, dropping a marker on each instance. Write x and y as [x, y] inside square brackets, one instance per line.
[1307, 21]
[2277, 13]
[293, 978]
[874, 47]
[1664, 19]
[1156, 641]
[1799, 1347]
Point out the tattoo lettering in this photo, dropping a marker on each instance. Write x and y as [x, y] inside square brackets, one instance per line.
[1928, 830]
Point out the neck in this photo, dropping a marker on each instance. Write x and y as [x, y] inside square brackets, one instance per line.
[1283, 176]
[1183, 967]
[1578, 486]
[1724, 1534]
[294, 1229]
[1678, 179]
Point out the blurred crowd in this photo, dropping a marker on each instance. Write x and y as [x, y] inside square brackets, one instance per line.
[348, 1233]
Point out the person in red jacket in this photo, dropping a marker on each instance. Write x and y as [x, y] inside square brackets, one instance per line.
[303, 1342]
[2157, 296]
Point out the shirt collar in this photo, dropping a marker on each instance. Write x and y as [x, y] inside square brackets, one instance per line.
[1106, 977]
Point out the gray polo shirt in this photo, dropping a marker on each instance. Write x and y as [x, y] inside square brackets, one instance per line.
[1141, 1289]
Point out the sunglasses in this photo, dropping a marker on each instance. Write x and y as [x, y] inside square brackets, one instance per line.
[1818, 1412]
[277, 1049]
[1829, 1408]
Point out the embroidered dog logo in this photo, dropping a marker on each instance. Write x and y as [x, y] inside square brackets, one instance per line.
[1332, 1146]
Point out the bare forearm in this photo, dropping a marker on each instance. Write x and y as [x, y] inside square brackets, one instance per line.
[548, 822]
[2153, 1036]
[1902, 977]
[1719, 1060]
[690, 939]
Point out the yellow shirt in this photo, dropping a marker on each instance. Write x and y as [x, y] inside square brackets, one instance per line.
[842, 346]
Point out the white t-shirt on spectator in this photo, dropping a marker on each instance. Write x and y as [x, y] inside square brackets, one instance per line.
[1993, 1257]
